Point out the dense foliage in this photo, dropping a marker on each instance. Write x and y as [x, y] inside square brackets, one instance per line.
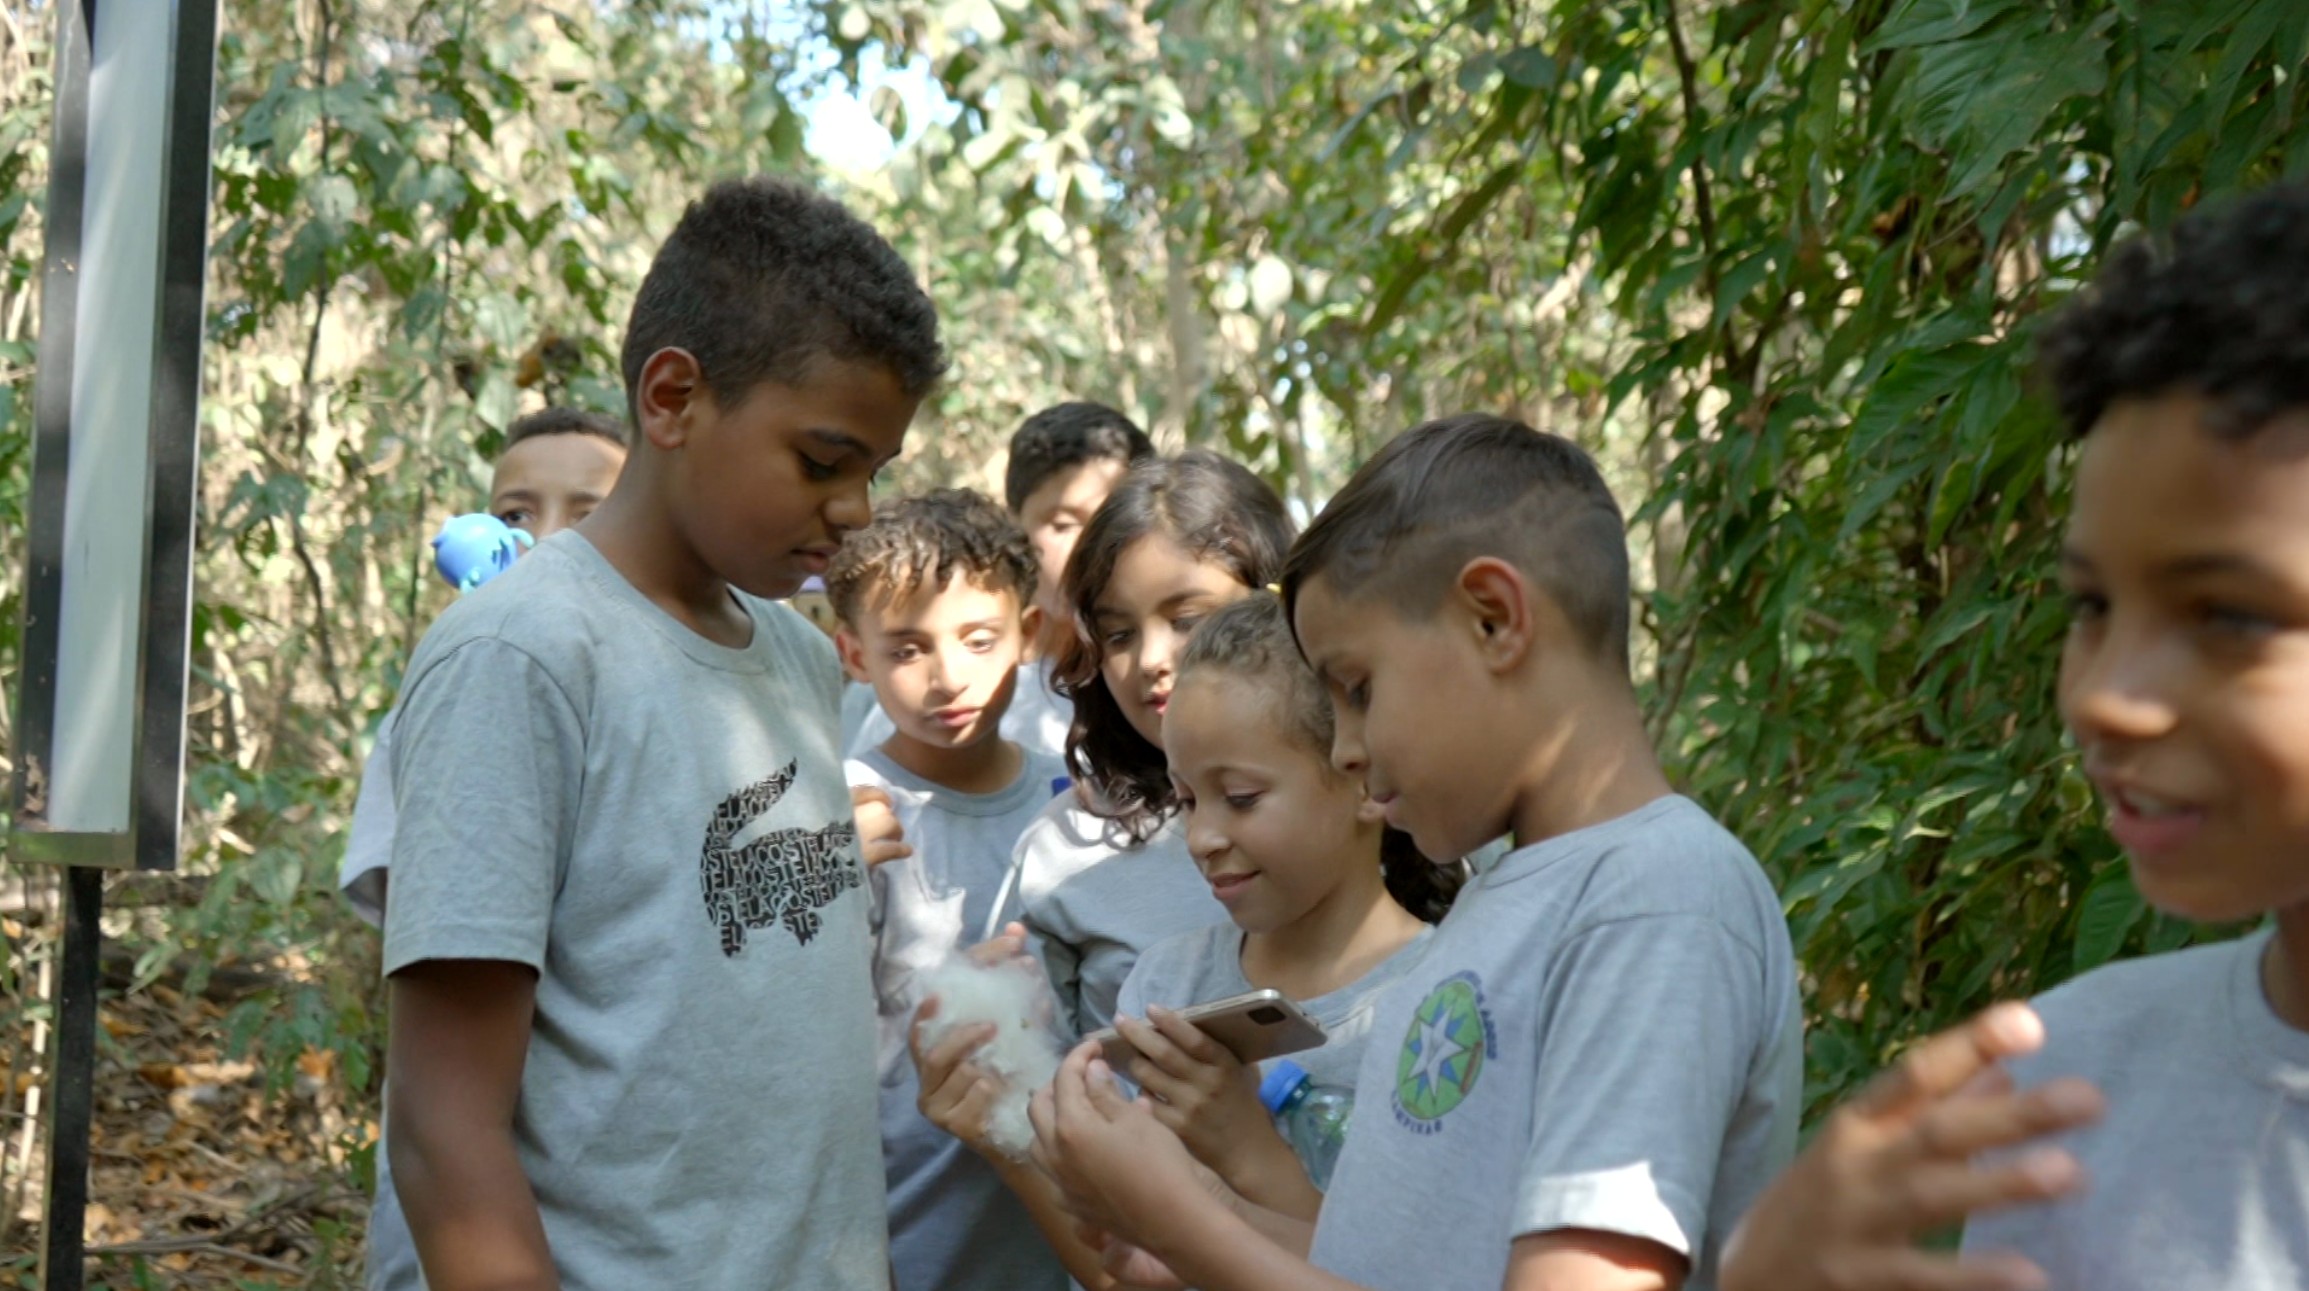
[1778, 263]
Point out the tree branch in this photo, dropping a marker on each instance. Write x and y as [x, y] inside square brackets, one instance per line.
[1703, 196]
[324, 284]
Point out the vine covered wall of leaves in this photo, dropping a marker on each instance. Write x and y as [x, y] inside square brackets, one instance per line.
[1779, 264]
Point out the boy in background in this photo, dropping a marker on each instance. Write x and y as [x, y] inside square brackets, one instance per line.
[1064, 460]
[632, 1027]
[555, 468]
[2184, 372]
[935, 601]
[1599, 1062]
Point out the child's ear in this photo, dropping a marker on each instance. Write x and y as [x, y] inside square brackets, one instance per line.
[670, 391]
[853, 652]
[1496, 604]
[1030, 623]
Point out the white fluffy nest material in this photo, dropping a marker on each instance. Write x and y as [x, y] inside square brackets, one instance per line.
[1023, 1054]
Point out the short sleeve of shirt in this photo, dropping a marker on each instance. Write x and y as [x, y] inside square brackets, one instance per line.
[488, 766]
[1650, 1041]
[369, 841]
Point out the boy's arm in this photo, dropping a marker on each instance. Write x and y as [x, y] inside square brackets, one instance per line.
[460, 1034]
[488, 764]
[1114, 1161]
[1898, 1161]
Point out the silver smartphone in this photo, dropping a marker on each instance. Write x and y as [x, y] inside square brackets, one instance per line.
[1253, 1026]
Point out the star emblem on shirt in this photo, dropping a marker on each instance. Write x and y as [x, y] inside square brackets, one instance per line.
[1436, 1047]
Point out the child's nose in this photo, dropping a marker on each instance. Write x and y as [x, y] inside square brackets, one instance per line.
[1203, 841]
[2119, 690]
[1156, 650]
[850, 509]
[1347, 748]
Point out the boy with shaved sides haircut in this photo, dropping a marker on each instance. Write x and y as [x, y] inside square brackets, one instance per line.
[632, 1026]
[1599, 1061]
[935, 601]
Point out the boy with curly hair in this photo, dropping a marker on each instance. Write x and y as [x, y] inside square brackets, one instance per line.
[935, 602]
[2184, 372]
[632, 1032]
[1064, 460]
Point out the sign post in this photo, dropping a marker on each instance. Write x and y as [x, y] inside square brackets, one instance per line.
[108, 589]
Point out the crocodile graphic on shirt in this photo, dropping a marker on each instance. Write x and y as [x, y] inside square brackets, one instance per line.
[785, 876]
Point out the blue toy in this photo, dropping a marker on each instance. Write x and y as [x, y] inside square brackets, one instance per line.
[472, 549]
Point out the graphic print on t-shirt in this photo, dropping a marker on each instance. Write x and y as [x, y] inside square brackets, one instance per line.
[1449, 1040]
[782, 877]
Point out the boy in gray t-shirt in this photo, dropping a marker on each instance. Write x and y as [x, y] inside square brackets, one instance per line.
[1598, 1060]
[632, 1033]
[2184, 683]
[555, 468]
[933, 602]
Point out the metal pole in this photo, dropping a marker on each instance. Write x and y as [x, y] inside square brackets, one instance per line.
[71, 1112]
[72, 1059]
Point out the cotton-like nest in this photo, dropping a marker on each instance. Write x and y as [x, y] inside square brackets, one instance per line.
[1023, 1055]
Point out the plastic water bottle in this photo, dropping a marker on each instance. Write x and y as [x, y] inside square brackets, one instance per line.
[1312, 1118]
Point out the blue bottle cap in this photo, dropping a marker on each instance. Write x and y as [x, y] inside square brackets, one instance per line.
[1284, 1085]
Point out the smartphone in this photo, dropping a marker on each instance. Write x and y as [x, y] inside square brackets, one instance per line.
[1252, 1026]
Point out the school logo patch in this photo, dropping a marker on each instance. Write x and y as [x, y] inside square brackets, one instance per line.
[1443, 1053]
[784, 877]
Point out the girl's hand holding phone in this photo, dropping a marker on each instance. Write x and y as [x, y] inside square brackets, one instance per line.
[1210, 1099]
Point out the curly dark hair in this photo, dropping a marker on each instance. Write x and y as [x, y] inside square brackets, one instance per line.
[922, 542]
[1251, 640]
[762, 278]
[563, 421]
[2218, 306]
[1060, 436]
[1216, 511]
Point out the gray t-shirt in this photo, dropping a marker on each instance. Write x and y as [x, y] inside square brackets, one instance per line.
[392, 1254]
[1207, 965]
[953, 1225]
[369, 841]
[1037, 719]
[659, 825]
[1604, 1034]
[1091, 904]
[2200, 1172]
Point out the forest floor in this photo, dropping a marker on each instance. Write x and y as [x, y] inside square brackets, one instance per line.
[206, 1172]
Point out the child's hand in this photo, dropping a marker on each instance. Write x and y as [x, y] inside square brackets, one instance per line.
[1206, 1096]
[957, 1096]
[1008, 946]
[880, 838]
[1132, 1268]
[1897, 1162]
[1116, 1164]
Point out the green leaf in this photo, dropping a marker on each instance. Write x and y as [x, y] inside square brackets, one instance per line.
[1982, 98]
[1743, 278]
[2105, 916]
[1932, 22]
[1530, 67]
